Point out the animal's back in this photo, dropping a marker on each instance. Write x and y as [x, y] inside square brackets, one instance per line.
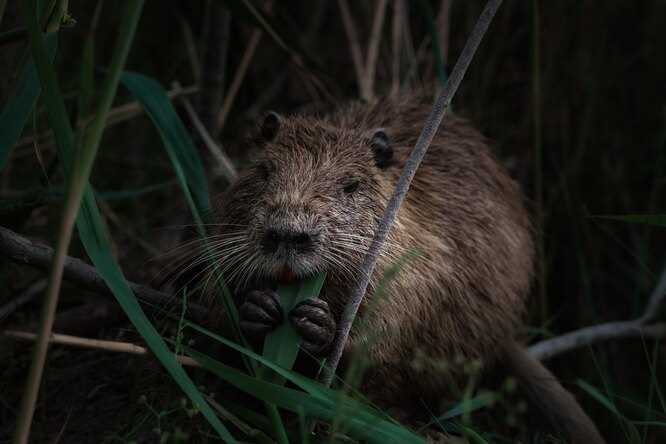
[463, 297]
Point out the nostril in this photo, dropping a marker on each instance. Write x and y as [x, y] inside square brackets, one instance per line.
[273, 236]
[302, 239]
[272, 239]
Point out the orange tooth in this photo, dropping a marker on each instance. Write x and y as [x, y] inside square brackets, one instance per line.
[287, 276]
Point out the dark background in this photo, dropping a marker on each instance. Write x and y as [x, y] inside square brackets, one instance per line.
[600, 125]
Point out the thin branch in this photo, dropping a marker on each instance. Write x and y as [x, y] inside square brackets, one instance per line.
[24, 251]
[640, 327]
[225, 166]
[96, 344]
[373, 49]
[430, 128]
[592, 335]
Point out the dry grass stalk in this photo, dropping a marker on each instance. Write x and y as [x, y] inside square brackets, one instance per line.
[239, 76]
[225, 166]
[373, 48]
[365, 71]
[116, 115]
[96, 344]
[354, 43]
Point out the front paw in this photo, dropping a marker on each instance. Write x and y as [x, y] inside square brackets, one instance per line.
[313, 320]
[260, 313]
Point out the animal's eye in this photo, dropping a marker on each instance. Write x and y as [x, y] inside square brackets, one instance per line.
[265, 169]
[351, 186]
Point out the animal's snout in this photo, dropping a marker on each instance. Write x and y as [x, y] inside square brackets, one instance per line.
[274, 238]
[288, 239]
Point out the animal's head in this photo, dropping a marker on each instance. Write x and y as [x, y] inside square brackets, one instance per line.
[309, 202]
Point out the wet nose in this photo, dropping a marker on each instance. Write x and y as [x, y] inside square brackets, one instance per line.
[299, 240]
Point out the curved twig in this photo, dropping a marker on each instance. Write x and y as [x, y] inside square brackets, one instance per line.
[592, 335]
[642, 326]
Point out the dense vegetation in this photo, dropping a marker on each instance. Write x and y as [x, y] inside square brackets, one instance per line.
[571, 92]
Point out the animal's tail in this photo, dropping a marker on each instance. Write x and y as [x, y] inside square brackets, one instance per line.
[547, 394]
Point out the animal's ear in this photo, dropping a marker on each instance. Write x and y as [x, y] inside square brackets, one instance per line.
[270, 126]
[381, 148]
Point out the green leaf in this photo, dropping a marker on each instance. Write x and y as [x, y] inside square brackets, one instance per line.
[17, 110]
[281, 346]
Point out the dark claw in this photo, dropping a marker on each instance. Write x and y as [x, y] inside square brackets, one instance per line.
[312, 320]
[260, 313]
[255, 329]
[268, 300]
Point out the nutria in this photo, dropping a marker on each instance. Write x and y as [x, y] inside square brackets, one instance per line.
[311, 201]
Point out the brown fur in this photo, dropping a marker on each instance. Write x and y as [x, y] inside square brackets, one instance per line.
[461, 299]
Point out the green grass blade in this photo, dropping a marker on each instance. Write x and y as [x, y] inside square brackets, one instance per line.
[179, 145]
[17, 110]
[186, 162]
[93, 232]
[472, 435]
[359, 423]
[464, 407]
[313, 388]
[630, 429]
[600, 397]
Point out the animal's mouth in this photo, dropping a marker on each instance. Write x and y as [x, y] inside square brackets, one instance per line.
[287, 275]
[287, 267]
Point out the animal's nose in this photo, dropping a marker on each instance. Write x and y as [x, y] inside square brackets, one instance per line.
[300, 240]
